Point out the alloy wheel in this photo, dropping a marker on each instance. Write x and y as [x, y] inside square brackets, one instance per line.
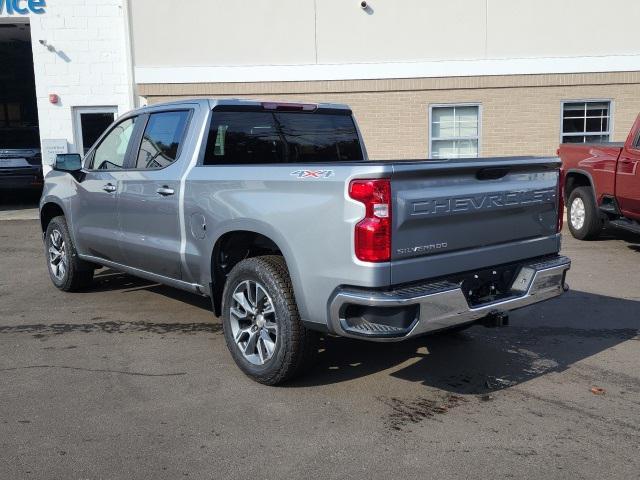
[253, 322]
[57, 255]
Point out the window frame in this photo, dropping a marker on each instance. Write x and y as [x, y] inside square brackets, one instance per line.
[587, 100]
[449, 105]
[142, 118]
[132, 160]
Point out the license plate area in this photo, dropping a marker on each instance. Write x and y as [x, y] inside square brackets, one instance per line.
[489, 285]
[13, 162]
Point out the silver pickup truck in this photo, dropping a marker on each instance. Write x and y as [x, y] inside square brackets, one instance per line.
[275, 212]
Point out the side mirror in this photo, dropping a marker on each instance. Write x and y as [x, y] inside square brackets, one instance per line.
[68, 162]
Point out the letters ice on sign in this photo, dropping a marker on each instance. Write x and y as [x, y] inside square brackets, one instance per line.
[22, 7]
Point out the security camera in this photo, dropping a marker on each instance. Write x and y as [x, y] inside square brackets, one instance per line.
[364, 5]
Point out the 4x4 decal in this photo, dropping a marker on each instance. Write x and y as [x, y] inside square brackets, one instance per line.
[312, 173]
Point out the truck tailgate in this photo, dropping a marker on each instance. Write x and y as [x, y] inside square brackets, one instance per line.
[459, 215]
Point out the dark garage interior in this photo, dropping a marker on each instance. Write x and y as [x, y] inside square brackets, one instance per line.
[20, 159]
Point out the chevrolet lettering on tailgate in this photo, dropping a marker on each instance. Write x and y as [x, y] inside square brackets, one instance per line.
[495, 200]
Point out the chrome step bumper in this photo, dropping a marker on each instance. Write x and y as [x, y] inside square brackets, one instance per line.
[443, 304]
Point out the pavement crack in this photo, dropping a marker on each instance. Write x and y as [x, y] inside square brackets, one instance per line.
[95, 370]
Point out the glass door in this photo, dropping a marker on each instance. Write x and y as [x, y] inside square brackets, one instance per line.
[89, 123]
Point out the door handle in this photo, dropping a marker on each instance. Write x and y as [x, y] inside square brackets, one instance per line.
[109, 188]
[165, 191]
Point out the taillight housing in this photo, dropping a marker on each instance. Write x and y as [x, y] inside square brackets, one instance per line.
[560, 201]
[373, 232]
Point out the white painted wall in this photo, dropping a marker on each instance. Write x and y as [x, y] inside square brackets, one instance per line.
[89, 65]
[254, 40]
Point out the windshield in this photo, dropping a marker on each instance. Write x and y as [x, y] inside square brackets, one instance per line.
[19, 138]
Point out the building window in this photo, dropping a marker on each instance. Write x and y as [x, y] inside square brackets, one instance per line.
[455, 131]
[584, 122]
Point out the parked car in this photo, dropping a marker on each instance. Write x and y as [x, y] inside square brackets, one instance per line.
[602, 185]
[275, 212]
[20, 159]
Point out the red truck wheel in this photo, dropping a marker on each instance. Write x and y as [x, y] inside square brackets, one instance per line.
[583, 216]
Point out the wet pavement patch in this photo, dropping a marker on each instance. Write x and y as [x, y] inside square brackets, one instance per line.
[42, 330]
[406, 412]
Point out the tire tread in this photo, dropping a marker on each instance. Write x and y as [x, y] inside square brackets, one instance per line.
[302, 343]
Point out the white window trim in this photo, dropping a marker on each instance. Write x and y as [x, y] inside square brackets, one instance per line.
[438, 105]
[587, 100]
[77, 111]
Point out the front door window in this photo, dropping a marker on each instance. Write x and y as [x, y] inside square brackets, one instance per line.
[111, 153]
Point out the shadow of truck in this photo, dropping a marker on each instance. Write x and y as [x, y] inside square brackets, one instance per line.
[543, 338]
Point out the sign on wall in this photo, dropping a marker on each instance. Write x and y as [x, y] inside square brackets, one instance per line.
[52, 147]
[22, 7]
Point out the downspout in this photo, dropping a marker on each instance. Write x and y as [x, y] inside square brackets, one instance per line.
[129, 55]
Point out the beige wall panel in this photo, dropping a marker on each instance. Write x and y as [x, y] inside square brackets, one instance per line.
[327, 32]
[400, 30]
[223, 32]
[560, 28]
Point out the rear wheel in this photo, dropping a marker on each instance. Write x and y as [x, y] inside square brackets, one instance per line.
[585, 222]
[262, 326]
[67, 271]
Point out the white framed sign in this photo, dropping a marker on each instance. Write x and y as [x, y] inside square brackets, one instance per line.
[52, 147]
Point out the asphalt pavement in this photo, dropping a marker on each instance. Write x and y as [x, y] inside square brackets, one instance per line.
[131, 380]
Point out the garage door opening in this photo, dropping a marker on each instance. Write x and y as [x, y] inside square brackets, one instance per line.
[20, 159]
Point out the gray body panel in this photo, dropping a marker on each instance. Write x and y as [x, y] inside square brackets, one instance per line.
[311, 220]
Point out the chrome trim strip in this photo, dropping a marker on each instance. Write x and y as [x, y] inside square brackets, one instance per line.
[445, 305]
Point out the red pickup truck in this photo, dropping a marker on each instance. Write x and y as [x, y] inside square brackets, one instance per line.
[602, 185]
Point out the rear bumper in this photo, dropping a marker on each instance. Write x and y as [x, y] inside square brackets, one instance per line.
[428, 307]
[26, 178]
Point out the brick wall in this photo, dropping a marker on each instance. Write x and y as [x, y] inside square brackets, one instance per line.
[88, 66]
[520, 113]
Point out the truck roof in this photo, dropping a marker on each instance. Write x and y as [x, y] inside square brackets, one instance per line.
[213, 102]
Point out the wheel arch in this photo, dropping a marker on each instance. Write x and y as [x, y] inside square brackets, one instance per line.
[238, 242]
[577, 178]
[49, 210]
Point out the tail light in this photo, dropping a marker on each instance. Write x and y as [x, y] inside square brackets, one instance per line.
[560, 201]
[373, 232]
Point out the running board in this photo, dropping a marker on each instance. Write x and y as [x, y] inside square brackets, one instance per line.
[152, 277]
[629, 225]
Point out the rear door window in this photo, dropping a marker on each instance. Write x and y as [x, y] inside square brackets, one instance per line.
[161, 139]
[247, 137]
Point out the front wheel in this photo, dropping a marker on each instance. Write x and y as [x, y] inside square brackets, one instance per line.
[67, 271]
[262, 326]
[585, 222]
